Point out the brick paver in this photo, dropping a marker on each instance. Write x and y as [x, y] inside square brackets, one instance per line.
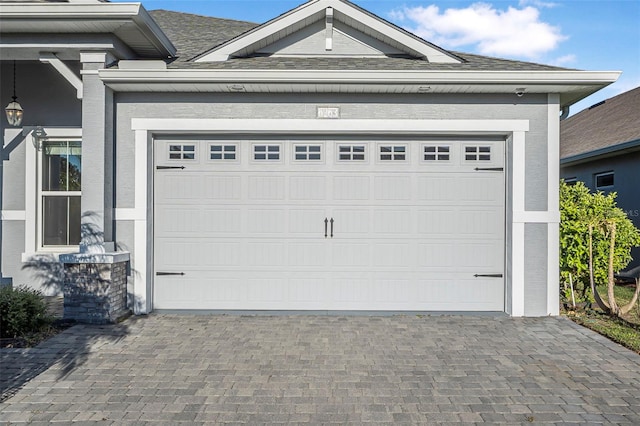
[323, 369]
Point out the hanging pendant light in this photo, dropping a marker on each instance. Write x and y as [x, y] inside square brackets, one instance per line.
[14, 110]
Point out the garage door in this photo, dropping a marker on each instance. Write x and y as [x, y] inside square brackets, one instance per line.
[329, 225]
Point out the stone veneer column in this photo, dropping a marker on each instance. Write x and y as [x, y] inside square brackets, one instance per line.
[95, 287]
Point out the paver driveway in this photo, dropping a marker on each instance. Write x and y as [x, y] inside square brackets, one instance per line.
[325, 369]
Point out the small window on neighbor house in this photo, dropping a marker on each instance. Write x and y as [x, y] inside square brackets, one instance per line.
[266, 152]
[222, 152]
[436, 153]
[604, 180]
[182, 152]
[477, 153]
[308, 152]
[393, 152]
[571, 181]
[351, 152]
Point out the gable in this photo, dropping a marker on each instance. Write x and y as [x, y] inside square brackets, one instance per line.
[342, 40]
[328, 28]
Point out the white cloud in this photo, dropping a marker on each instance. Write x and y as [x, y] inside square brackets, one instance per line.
[512, 32]
[537, 3]
[564, 60]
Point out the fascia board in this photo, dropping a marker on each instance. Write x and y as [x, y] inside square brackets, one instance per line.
[71, 12]
[29, 10]
[558, 78]
[226, 50]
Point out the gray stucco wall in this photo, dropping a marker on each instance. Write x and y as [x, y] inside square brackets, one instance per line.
[48, 100]
[428, 106]
[626, 168]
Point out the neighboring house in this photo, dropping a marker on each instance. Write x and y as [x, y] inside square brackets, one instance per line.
[600, 146]
[325, 160]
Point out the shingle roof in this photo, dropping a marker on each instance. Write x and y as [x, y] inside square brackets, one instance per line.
[607, 124]
[195, 34]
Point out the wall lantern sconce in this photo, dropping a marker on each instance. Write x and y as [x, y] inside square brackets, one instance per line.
[14, 110]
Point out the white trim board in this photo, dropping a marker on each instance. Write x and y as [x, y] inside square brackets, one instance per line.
[145, 129]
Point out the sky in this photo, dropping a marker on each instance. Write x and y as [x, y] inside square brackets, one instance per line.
[593, 35]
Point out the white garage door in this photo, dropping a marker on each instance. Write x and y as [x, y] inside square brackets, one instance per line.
[329, 225]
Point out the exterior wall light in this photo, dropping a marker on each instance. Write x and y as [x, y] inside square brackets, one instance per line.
[14, 111]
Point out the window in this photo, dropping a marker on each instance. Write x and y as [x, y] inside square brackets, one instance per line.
[477, 153]
[604, 180]
[222, 152]
[393, 152]
[266, 152]
[351, 152]
[436, 153]
[182, 152]
[60, 193]
[571, 181]
[308, 152]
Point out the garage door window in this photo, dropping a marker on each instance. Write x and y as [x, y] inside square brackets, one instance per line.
[222, 152]
[182, 152]
[436, 153]
[393, 153]
[351, 152]
[266, 152]
[308, 152]
[477, 153]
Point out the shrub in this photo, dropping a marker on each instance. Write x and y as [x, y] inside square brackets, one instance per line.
[22, 311]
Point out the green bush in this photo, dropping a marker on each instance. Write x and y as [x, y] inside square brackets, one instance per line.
[22, 311]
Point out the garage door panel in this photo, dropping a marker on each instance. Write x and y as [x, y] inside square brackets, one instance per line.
[393, 222]
[307, 222]
[266, 221]
[308, 188]
[392, 255]
[351, 222]
[351, 188]
[179, 220]
[266, 187]
[223, 188]
[307, 254]
[392, 188]
[350, 254]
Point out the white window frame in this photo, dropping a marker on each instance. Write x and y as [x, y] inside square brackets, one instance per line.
[351, 153]
[266, 160]
[223, 160]
[307, 145]
[392, 153]
[33, 229]
[182, 151]
[436, 153]
[42, 193]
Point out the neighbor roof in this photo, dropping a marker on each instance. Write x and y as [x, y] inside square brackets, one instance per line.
[195, 34]
[611, 125]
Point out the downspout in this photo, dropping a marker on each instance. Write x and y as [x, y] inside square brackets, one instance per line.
[564, 113]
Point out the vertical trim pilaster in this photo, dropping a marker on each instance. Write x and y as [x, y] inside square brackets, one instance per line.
[517, 242]
[142, 300]
[553, 204]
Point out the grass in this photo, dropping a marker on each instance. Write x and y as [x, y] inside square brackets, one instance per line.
[625, 330]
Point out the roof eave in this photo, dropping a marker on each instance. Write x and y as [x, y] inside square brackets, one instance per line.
[605, 152]
[571, 85]
[68, 15]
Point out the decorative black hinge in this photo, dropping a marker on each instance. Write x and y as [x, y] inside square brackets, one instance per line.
[169, 167]
[169, 273]
[488, 275]
[489, 169]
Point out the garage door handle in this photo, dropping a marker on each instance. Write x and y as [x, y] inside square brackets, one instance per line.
[326, 224]
[331, 227]
[169, 273]
[488, 275]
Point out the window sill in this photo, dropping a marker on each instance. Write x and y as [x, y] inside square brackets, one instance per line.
[48, 256]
